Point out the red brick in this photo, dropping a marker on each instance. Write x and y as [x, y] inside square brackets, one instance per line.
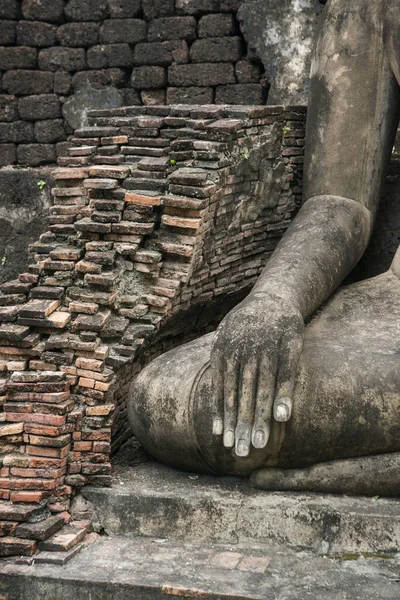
[27, 484]
[43, 419]
[46, 463]
[82, 446]
[45, 473]
[99, 434]
[48, 452]
[102, 447]
[35, 497]
[52, 442]
[47, 430]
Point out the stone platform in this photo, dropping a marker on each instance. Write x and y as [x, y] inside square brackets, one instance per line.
[177, 535]
[153, 500]
[153, 569]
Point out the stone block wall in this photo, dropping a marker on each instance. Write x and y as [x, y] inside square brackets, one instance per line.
[157, 210]
[146, 51]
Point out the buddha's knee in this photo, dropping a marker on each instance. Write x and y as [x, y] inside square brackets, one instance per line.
[170, 409]
[160, 405]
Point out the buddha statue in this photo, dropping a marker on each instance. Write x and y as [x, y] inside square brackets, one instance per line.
[299, 387]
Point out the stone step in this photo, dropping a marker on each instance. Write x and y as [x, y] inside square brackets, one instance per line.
[66, 538]
[153, 569]
[153, 500]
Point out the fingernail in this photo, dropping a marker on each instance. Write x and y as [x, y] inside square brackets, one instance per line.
[242, 448]
[259, 439]
[229, 439]
[282, 413]
[217, 426]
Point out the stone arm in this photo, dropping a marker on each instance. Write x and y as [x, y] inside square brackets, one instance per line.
[323, 244]
[258, 345]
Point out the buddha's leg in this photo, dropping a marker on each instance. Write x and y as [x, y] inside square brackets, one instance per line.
[347, 400]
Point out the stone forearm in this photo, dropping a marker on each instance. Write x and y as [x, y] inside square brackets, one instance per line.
[323, 244]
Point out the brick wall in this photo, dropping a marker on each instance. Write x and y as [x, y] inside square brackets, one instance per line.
[151, 51]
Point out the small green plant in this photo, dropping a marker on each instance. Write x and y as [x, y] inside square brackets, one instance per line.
[172, 162]
[286, 129]
[245, 153]
[3, 261]
[41, 184]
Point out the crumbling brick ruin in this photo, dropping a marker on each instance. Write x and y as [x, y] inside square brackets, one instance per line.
[157, 210]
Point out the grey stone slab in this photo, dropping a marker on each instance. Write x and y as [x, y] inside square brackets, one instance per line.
[283, 34]
[57, 558]
[151, 569]
[153, 500]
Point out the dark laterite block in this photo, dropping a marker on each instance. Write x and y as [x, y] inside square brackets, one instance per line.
[78, 34]
[129, 31]
[64, 59]
[87, 10]
[28, 82]
[172, 28]
[223, 49]
[201, 75]
[40, 107]
[148, 77]
[35, 33]
[45, 10]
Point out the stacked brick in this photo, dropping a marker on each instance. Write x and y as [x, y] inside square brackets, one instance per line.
[155, 209]
[152, 51]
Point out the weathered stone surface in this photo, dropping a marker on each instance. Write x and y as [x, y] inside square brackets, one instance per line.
[78, 34]
[153, 9]
[65, 539]
[8, 107]
[172, 28]
[42, 106]
[296, 519]
[162, 53]
[50, 131]
[64, 59]
[9, 9]
[11, 546]
[241, 93]
[36, 33]
[18, 57]
[7, 33]
[23, 211]
[110, 55]
[219, 49]
[87, 10]
[23, 82]
[283, 35]
[35, 155]
[129, 31]
[46, 10]
[206, 74]
[251, 571]
[217, 25]
[75, 109]
[19, 131]
[148, 77]
[18, 512]
[41, 530]
[124, 9]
